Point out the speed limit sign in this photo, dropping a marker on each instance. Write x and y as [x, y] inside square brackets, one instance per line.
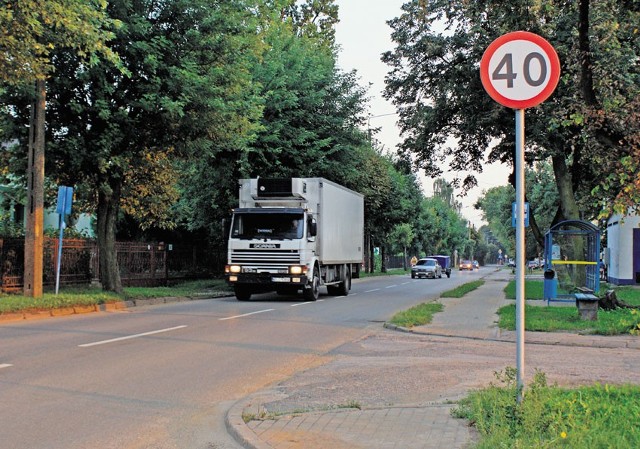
[520, 70]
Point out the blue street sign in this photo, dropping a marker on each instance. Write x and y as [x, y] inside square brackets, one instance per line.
[514, 210]
[65, 198]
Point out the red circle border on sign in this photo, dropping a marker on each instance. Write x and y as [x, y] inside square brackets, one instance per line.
[554, 76]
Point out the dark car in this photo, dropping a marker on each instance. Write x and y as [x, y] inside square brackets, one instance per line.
[466, 265]
[476, 265]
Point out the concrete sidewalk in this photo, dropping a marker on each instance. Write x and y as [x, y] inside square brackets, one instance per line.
[404, 421]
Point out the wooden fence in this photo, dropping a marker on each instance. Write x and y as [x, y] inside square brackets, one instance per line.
[140, 263]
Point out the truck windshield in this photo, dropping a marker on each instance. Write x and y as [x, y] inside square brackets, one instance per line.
[267, 226]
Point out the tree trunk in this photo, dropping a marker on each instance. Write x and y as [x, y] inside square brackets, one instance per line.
[568, 205]
[586, 74]
[611, 302]
[108, 207]
[383, 262]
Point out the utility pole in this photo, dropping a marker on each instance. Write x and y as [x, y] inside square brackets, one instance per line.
[34, 237]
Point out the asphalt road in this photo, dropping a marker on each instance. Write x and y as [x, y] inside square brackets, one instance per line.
[163, 376]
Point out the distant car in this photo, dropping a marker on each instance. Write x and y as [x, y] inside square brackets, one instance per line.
[533, 264]
[476, 265]
[466, 265]
[428, 268]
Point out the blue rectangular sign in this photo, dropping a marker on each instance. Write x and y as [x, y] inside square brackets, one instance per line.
[513, 214]
[65, 198]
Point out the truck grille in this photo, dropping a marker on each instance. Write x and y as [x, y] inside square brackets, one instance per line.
[266, 259]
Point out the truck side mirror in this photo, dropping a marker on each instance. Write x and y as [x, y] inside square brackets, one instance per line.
[225, 229]
[313, 228]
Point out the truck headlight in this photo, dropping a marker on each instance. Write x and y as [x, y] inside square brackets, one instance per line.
[297, 269]
[233, 269]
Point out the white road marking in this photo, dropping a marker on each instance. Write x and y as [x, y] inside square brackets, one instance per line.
[129, 337]
[307, 302]
[245, 314]
[405, 283]
[374, 290]
[391, 286]
[5, 365]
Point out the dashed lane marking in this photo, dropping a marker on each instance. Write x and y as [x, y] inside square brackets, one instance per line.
[309, 302]
[245, 314]
[129, 337]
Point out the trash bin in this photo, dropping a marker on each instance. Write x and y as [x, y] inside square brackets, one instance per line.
[550, 285]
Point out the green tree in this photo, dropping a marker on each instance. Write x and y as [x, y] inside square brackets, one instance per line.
[542, 196]
[582, 129]
[402, 235]
[309, 121]
[441, 229]
[189, 95]
[32, 30]
[495, 205]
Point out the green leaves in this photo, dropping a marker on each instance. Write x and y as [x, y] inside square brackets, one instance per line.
[35, 29]
[589, 123]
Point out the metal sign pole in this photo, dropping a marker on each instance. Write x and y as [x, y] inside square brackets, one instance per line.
[65, 199]
[520, 70]
[520, 251]
[61, 225]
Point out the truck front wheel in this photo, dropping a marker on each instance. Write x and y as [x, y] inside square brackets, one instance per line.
[243, 292]
[312, 292]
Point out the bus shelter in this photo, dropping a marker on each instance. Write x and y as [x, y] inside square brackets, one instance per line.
[572, 260]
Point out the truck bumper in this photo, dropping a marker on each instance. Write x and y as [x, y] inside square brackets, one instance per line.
[267, 279]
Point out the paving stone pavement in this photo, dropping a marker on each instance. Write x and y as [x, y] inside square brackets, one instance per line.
[422, 421]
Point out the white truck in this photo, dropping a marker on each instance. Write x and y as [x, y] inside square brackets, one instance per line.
[295, 235]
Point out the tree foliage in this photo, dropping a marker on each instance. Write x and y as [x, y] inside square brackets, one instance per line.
[205, 93]
[33, 29]
[445, 115]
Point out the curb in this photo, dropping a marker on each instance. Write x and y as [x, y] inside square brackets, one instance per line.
[106, 307]
[239, 430]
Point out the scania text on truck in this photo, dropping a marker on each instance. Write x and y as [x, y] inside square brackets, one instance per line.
[295, 235]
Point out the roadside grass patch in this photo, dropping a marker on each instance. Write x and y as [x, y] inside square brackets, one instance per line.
[554, 319]
[66, 298]
[389, 272]
[84, 296]
[417, 316]
[597, 416]
[533, 289]
[462, 290]
[189, 288]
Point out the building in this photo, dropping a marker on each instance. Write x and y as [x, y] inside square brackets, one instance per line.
[622, 257]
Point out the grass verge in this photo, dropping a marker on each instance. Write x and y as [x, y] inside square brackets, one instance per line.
[462, 290]
[423, 313]
[417, 316]
[597, 416]
[70, 297]
[554, 319]
[389, 272]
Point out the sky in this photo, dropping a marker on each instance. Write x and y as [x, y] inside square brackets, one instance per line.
[363, 36]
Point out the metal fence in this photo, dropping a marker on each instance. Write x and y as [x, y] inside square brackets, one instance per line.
[140, 263]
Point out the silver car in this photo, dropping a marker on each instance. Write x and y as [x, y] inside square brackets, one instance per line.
[428, 268]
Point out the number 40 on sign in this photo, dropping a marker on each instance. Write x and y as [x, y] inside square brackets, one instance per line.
[520, 70]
